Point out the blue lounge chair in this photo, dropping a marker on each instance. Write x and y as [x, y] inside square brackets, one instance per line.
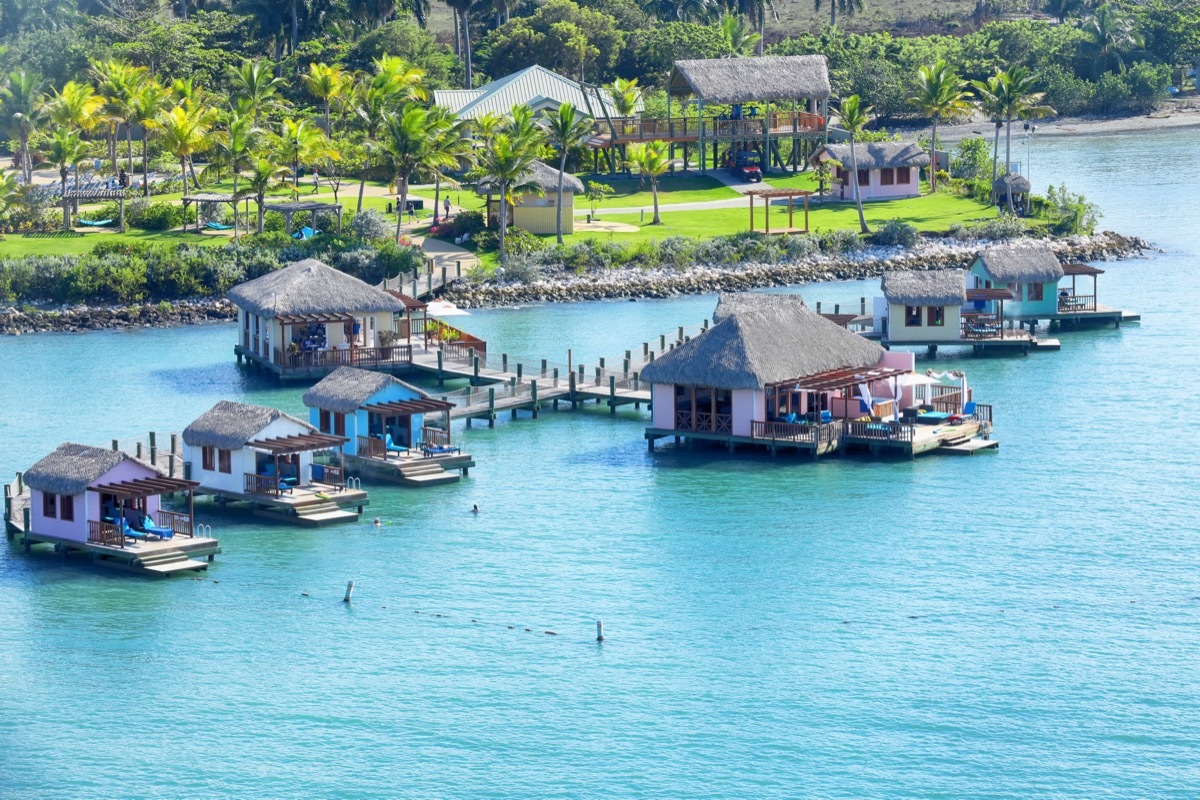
[131, 533]
[826, 416]
[149, 526]
[390, 446]
[305, 233]
[969, 409]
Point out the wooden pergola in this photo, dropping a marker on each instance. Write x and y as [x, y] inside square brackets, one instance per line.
[769, 194]
[828, 381]
[141, 488]
[297, 443]
[292, 320]
[92, 195]
[289, 208]
[989, 295]
[1079, 302]
[230, 200]
[412, 305]
[406, 408]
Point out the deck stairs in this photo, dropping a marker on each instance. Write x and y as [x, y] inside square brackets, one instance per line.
[316, 514]
[966, 446]
[429, 473]
[165, 562]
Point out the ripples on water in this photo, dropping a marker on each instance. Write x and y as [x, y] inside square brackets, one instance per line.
[1021, 625]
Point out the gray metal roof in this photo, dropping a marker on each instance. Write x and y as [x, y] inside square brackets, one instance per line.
[346, 389]
[752, 347]
[71, 468]
[310, 287]
[874, 155]
[532, 86]
[1021, 262]
[748, 80]
[935, 287]
[229, 425]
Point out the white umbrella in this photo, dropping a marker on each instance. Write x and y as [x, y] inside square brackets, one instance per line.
[441, 308]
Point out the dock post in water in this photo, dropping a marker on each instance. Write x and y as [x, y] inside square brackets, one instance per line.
[349, 592]
[504, 362]
[174, 452]
[862, 306]
[612, 394]
[475, 379]
[533, 385]
[20, 483]
[520, 370]
[139, 451]
[116, 445]
[491, 406]
[441, 356]
[818, 306]
[153, 449]
[600, 624]
[572, 391]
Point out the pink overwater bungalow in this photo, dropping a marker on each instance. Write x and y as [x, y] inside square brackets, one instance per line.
[108, 505]
[774, 374]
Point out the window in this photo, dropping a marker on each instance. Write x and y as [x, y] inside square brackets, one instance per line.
[206, 458]
[324, 421]
[935, 316]
[66, 508]
[864, 177]
[339, 424]
[887, 176]
[841, 174]
[1015, 288]
[49, 506]
[903, 175]
[1036, 291]
[912, 316]
[223, 461]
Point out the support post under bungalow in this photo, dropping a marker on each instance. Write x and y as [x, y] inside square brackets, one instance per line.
[491, 406]
[612, 394]
[533, 389]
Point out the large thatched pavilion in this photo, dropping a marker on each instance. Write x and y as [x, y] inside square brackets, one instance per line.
[747, 101]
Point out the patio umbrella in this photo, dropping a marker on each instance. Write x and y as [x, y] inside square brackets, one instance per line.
[441, 308]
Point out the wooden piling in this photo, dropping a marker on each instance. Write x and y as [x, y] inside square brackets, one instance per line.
[612, 394]
[533, 388]
[153, 449]
[441, 354]
[504, 362]
[349, 592]
[116, 445]
[571, 393]
[599, 624]
[20, 483]
[491, 406]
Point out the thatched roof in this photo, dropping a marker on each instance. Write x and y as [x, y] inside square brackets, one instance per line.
[543, 175]
[937, 287]
[310, 287]
[750, 80]
[346, 389]
[72, 468]
[752, 347]
[230, 425]
[729, 304]
[1019, 183]
[1023, 262]
[873, 155]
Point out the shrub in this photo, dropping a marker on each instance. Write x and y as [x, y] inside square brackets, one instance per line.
[678, 252]
[1066, 92]
[1002, 228]
[148, 216]
[1070, 214]
[370, 226]
[972, 159]
[895, 233]
[1148, 84]
[466, 222]
[841, 241]
[523, 268]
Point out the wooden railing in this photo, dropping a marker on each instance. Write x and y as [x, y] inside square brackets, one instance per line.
[435, 437]
[783, 431]
[357, 357]
[704, 422]
[329, 475]
[105, 533]
[642, 130]
[180, 524]
[1076, 303]
[947, 398]
[978, 330]
[370, 447]
[261, 484]
[983, 412]
[879, 431]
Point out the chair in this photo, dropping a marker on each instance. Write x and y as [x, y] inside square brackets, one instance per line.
[390, 446]
[969, 408]
[149, 526]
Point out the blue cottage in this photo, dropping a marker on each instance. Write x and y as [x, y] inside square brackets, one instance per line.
[1029, 270]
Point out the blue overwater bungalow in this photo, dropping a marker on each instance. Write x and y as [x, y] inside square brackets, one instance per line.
[387, 424]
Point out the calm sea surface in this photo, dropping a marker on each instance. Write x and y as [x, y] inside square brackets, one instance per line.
[1018, 625]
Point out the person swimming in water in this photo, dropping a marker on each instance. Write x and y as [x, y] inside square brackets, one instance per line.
[474, 509]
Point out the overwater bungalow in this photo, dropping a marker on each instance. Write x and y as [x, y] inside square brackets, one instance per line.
[886, 170]
[308, 319]
[108, 505]
[388, 427]
[282, 467]
[774, 374]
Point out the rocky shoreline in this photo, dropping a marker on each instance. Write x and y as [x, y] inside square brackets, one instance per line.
[76, 319]
[868, 263]
[569, 287]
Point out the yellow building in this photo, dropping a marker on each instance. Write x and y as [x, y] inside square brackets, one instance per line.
[924, 307]
[535, 200]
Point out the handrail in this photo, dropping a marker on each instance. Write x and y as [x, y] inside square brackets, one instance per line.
[261, 484]
[371, 447]
[105, 533]
[328, 475]
[1076, 303]
[435, 437]
[879, 431]
[354, 356]
[179, 523]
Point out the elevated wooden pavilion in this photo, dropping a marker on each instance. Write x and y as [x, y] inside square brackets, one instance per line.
[768, 194]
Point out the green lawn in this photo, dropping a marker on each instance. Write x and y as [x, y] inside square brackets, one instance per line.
[16, 245]
[671, 189]
[929, 213]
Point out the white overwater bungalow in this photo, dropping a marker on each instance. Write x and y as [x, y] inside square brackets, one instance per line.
[109, 506]
[773, 374]
[279, 466]
[395, 432]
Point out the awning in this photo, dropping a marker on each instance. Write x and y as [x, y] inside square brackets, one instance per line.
[298, 443]
[404, 408]
[410, 303]
[989, 294]
[305, 319]
[143, 487]
[841, 378]
[1081, 269]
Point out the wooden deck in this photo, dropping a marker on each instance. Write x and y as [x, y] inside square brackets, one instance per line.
[780, 125]
[310, 505]
[412, 468]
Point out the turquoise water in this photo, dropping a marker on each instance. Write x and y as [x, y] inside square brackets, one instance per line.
[1018, 625]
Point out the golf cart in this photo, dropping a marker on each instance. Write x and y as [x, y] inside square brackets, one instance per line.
[747, 165]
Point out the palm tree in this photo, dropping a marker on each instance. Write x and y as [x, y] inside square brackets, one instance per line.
[625, 94]
[301, 142]
[565, 130]
[402, 80]
[462, 12]
[118, 83]
[453, 139]
[66, 150]
[264, 176]
[738, 40]
[23, 109]
[854, 117]
[847, 7]
[756, 10]
[254, 89]
[11, 192]
[989, 94]
[238, 144]
[410, 138]
[941, 94]
[1108, 37]
[1018, 100]
[75, 106]
[505, 161]
[184, 132]
[651, 161]
[326, 83]
[151, 98]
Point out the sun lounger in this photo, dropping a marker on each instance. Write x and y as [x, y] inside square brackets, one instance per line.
[217, 226]
[390, 446]
[431, 450]
[149, 526]
[95, 223]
